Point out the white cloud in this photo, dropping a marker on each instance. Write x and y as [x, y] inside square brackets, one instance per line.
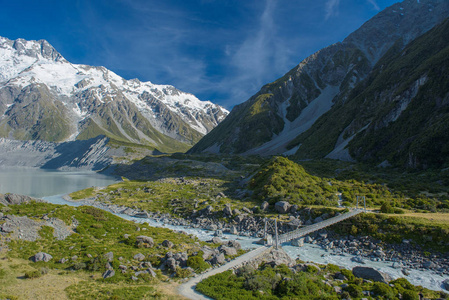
[375, 5]
[261, 55]
[331, 8]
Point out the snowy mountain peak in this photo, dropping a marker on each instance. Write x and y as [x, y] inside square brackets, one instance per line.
[85, 91]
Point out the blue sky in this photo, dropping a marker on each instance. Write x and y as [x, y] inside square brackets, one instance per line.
[219, 50]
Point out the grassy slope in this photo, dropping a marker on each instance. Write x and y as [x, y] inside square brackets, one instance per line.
[98, 232]
[419, 130]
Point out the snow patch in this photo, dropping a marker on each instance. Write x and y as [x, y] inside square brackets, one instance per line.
[316, 108]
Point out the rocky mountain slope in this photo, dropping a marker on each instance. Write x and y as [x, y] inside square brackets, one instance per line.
[285, 116]
[399, 115]
[45, 97]
[92, 154]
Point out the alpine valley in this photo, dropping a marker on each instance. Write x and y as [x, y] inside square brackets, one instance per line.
[360, 123]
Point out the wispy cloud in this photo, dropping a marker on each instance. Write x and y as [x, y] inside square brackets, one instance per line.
[331, 8]
[374, 3]
[260, 54]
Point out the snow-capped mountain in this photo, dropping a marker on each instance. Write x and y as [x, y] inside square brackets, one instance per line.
[45, 97]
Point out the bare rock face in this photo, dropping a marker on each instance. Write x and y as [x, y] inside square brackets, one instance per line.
[371, 274]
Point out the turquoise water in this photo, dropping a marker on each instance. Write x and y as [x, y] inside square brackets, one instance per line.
[40, 183]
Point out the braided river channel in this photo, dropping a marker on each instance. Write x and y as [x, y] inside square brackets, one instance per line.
[53, 185]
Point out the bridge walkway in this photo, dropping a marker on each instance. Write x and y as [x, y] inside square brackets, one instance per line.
[300, 232]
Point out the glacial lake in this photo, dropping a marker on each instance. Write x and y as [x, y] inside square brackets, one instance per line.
[38, 183]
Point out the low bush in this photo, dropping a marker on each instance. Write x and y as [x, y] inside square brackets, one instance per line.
[33, 274]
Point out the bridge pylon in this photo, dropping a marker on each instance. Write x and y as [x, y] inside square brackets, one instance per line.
[271, 225]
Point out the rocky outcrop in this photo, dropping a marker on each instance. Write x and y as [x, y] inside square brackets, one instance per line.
[24, 228]
[12, 199]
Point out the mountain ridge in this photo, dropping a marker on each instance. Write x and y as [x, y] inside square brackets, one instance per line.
[305, 94]
[90, 101]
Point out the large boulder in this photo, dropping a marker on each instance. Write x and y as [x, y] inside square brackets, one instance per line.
[218, 259]
[429, 265]
[235, 244]
[282, 207]
[207, 210]
[42, 256]
[143, 241]
[109, 256]
[274, 257]
[108, 274]
[227, 211]
[236, 212]
[139, 257]
[167, 244]
[264, 206]
[371, 274]
[217, 240]
[294, 208]
[171, 263]
[298, 242]
[230, 251]
[207, 252]
[446, 284]
[233, 230]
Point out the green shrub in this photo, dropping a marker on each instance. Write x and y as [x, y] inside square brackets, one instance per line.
[331, 268]
[33, 274]
[79, 266]
[410, 295]
[354, 290]
[348, 274]
[312, 269]
[182, 273]
[383, 290]
[386, 208]
[197, 263]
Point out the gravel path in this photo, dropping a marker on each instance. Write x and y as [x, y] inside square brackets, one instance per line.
[188, 289]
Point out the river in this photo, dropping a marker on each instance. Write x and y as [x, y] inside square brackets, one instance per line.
[52, 185]
[309, 252]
